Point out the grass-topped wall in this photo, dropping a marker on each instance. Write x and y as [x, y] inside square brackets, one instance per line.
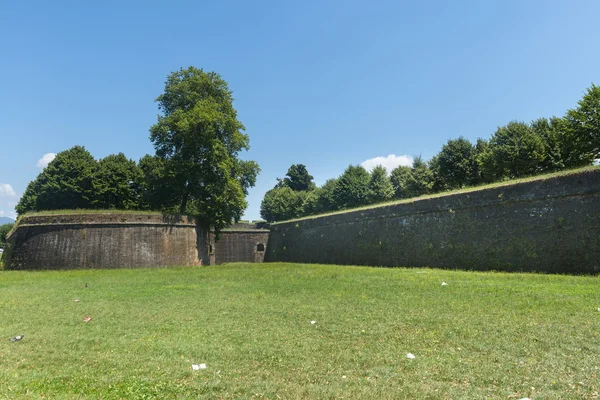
[69, 240]
[549, 224]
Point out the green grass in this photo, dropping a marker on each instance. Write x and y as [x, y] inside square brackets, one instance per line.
[483, 336]
[510, 182]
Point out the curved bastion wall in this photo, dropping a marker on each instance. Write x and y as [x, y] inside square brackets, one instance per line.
[106, 240]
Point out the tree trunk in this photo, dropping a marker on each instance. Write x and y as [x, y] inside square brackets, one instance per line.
[183, 202]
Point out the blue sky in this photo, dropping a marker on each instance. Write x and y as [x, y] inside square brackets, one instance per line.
[322, 83]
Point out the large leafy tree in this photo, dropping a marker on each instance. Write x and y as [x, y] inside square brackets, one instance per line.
[399, 178]
[456, 164]
[282, 203]
[324, 200]
[117, 183]
[66, 183]
[199, 138]
[583, 126]
[481, 146]
[420, 181]
[352, 189]
[157, 184]
[514, 151]
[380, 186]
[297, 178]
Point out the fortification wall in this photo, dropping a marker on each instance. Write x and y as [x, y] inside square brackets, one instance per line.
[239, 245]
[104, 240]
[550, 224]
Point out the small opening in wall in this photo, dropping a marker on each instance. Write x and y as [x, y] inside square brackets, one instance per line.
[260, 247]
[211, 249]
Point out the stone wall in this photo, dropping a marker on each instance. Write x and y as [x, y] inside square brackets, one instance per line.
[548, 224]
[241, 243]
[105, 240]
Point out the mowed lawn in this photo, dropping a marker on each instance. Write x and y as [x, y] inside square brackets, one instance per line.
[483, 335]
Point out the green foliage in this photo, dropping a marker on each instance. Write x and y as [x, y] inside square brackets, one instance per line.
[380, 186]
[481, 147]
[582, 125]
[352, 188]
[28, 199]
[282, 203]
[75, 180]
[246, 172]
[118, 183]
[199, 137]
[67, 182]
[514, 151]
[298, 179]
[456, 163]
[325, 197]
[420, 180]
[399, 179]
[4, 229]
[157, 187]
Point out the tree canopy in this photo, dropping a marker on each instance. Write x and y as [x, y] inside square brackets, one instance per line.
[66, 183]
[198, 138]
[118, 183]
[282, 203]
[380, 186]
[297, 178]
[582, 125]
[514, 151]
[352, 189]
[456, 163]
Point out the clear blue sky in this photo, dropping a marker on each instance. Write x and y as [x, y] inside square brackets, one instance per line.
[322, 83]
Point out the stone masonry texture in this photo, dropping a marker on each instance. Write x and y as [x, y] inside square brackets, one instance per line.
[106, 241]
[548, 225]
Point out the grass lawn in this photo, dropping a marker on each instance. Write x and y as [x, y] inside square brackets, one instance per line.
[482, 336]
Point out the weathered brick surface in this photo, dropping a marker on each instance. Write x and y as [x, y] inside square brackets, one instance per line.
[239, 245]
[106, 241]
[550, 225]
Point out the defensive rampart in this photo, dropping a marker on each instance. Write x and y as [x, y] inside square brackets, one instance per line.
[549, 224]
[106, 240]
[239, 244]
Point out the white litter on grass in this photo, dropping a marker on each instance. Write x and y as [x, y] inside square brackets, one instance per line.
[525, 398]
[444, 284]
[313, 322]
[598, 308]
[411, 356]
[197, 367]
[343, 376]
[76, 300]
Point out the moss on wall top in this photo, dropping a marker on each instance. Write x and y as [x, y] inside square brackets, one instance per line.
[478, 191]
[100, 217]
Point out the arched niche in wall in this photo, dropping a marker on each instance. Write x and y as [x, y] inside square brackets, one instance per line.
[260, 248]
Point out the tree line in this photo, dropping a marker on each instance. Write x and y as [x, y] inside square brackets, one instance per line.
[195, 170]
[515, 150]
